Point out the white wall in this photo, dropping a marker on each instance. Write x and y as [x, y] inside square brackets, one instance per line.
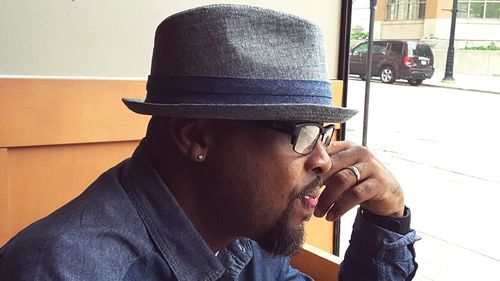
[483, 30]
[402, 29]
[113, 38]
[466, 61]
[437, 28]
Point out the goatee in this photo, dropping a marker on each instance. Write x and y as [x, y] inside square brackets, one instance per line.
[281, 239]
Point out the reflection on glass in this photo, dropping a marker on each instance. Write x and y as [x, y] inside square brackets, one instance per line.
[405, 9]
[476, 10]
[463, 10]
[493, 10]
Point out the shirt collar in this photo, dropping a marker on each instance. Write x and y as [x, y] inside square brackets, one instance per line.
[171, 231]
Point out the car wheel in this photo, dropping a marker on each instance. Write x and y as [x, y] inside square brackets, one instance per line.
[415, 82]
[387, 75]
[362, 77]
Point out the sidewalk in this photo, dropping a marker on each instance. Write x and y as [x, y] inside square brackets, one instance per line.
[479, 83]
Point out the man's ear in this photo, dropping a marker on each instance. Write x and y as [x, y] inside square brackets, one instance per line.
[191, 137]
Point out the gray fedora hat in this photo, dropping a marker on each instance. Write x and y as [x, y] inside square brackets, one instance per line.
[239, 62]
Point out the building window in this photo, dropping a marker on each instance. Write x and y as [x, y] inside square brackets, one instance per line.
[479, 9]
[405, 9]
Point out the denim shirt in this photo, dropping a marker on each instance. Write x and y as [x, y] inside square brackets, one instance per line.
[128, 226]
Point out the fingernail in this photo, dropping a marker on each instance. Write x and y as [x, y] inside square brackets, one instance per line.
[329, 217]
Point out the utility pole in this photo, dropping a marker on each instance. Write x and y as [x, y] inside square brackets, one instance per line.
[448, 75]
[373, 4]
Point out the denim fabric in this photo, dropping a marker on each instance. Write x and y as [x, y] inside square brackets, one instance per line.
[128, 226]
[174, 89]
[390, 255]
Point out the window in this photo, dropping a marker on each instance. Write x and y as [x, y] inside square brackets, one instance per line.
[361, 49]
[479, 9]
[397, 48]
[419, 50]
[379, 48]
[405, 9]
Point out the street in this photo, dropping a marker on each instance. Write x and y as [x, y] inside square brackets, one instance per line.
[442, 146]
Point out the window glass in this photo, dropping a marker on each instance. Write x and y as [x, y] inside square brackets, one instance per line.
[361, 49]
[402, 10]
[421, 10]
[412, 11]
[493, 10]
[379, 48]
[391, 12]
[463, 10]
[405, 9]
[397, 48]
[419, 50]
[476, 10]
[479, 9]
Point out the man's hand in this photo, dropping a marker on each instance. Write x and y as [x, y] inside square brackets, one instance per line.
[376, 191]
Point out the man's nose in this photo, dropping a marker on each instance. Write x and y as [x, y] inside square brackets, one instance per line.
[319, 161]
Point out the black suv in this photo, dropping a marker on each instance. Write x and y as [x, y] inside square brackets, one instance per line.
[394, 59]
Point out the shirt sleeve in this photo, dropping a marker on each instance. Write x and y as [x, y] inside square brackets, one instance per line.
[376, 253]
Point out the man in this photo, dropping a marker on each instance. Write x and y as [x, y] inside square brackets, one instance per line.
[230, 168]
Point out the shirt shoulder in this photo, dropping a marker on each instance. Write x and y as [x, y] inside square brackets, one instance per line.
[265, 266]
[96, 236]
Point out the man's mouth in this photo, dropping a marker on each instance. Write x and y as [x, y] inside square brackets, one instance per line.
[310, 199]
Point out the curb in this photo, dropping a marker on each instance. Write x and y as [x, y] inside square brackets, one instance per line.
[447, 86]
[462, 88]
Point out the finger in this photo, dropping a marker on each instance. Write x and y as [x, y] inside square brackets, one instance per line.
[337, 146]
[348, 157]
[336, 185]
[351, 198]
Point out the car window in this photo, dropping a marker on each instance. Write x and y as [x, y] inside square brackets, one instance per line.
[360, 49]
[379, 48]
[397, 48]
[419, 49]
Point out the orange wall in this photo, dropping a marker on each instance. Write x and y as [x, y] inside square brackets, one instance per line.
[319, 232]
[66, 111]
[42, 178]
[438, 9]
[5, 231]
[381, 10]
[58, 135]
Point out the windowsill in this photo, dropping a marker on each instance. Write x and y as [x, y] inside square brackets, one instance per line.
[478, 21]
[394, 22]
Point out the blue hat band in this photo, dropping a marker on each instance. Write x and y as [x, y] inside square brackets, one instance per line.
[223, 90]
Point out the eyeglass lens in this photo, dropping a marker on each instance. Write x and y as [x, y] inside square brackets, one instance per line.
[308, 136]
[306, 139]
[327, 137]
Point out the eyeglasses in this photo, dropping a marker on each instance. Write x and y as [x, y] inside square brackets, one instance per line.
[304, 135]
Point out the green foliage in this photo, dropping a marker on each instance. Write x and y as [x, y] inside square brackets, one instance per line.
[431, 36]
[359, 35]
[490, 47]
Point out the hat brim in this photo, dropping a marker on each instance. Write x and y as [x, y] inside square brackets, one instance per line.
[282, 112]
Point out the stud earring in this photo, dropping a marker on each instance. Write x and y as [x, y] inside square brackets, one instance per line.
[200, 157]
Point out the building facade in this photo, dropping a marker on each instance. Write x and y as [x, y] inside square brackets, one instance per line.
[478, 21]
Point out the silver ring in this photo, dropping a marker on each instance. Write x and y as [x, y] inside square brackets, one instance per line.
[355, 171]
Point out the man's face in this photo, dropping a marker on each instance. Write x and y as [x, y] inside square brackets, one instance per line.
[258, 187]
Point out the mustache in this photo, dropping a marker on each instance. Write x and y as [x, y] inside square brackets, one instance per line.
[317, 182]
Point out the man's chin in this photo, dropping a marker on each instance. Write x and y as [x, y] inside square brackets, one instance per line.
[282, 240]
